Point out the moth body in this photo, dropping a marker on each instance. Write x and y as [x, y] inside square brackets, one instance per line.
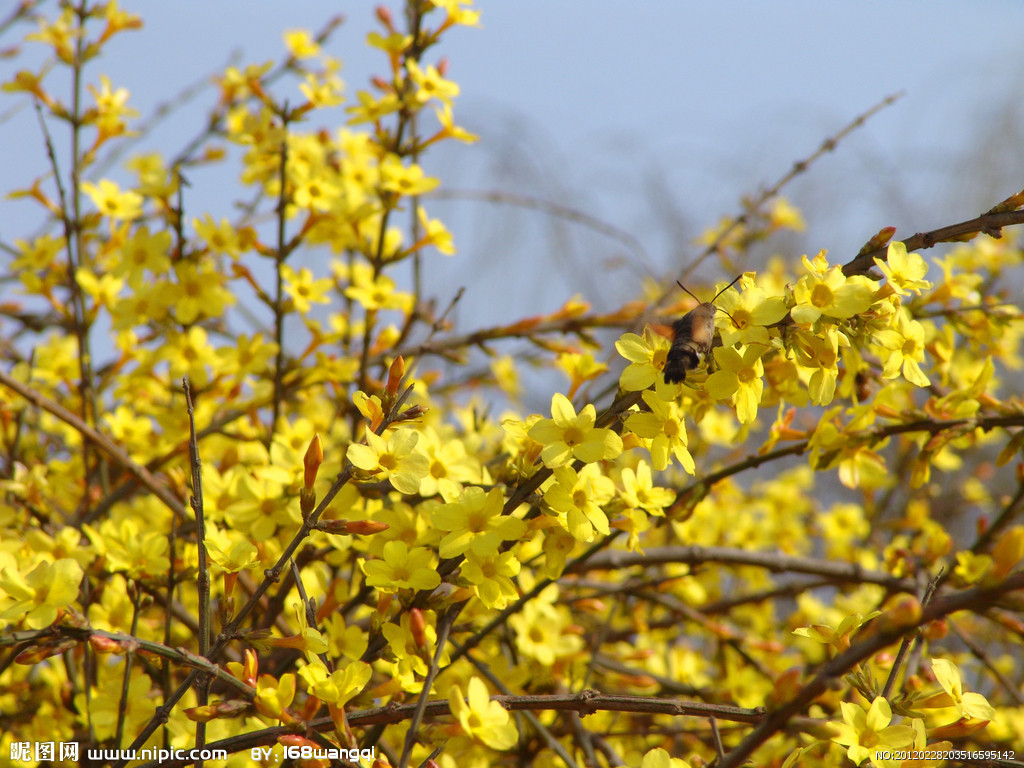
[692, 337]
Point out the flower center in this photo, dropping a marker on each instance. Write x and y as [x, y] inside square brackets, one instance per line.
[821, 296]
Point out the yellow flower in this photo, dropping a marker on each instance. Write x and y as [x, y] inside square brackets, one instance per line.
[394, 177]
[969, 705]
[663, 426]
[103, 289]
[542, 629]
[450, 465]
[567, 435]
[300, 43]
[144, 251]
[482, 718]
[746, 314]
[581, 367]
[825, 291]
[457, 14]
[112, 202]
[448, 127]
[336, 687]
[394, 459]
[784, 215]
[646, 358]
[402, 568]
[739, 378]
[865, 733]
[578, 499]
[429, 84]
[111, 108]
[370, 109]
[303, 289]
[904, 345]
[491, 576]
[435, 233]
[476, 523]
[639, 491]
[42, 592]
[201, 291]
[902, 270]
[377, 292]
[222, 237]
[274, 696]
[820, 353]
[659, 758]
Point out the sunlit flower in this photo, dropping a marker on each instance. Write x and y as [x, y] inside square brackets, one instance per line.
[578, 499]
[827, 291]
[867, 733]
[402, 568]
[476, 523]
[663, 426]
[738, 377]
[394, 459]
[904, 345]
[112, 202]
[903, 271]
[567, 436]
[968, 705]
[482, 718]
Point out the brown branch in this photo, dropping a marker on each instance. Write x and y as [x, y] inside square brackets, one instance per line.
[613, 560]
[799, 167]
[585, 702]
[989, 223]
[933, 426]
[972, 599]
[56, 633]
[104, 443]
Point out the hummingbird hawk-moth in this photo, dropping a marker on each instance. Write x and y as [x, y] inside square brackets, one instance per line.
[693, 335]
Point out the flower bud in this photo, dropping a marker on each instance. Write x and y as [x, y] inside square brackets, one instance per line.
[418, 627]
[356, 527]
[395, 374]
[312, 460]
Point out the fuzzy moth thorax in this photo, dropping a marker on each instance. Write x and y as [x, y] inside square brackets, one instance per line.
[692, 337]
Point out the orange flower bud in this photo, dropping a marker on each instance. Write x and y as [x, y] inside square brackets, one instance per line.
[395, 374]
[957, 730]
[936, 630]
[251, 668]
[103, 644]
[418, 627]
[904, 611]
[36, 653]
[309, 708]
[203, 714]
[220, 709]
[384, 15]
[356, 527]
[591, 604]
[312, 460]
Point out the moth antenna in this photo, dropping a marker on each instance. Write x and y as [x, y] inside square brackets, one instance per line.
[719, 309]
[730, 285]
[691, 295]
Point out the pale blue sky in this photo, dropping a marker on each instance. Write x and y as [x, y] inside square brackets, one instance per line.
[634, 113]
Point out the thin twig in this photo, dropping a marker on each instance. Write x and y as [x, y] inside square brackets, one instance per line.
[115, 452]
[203, 574]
